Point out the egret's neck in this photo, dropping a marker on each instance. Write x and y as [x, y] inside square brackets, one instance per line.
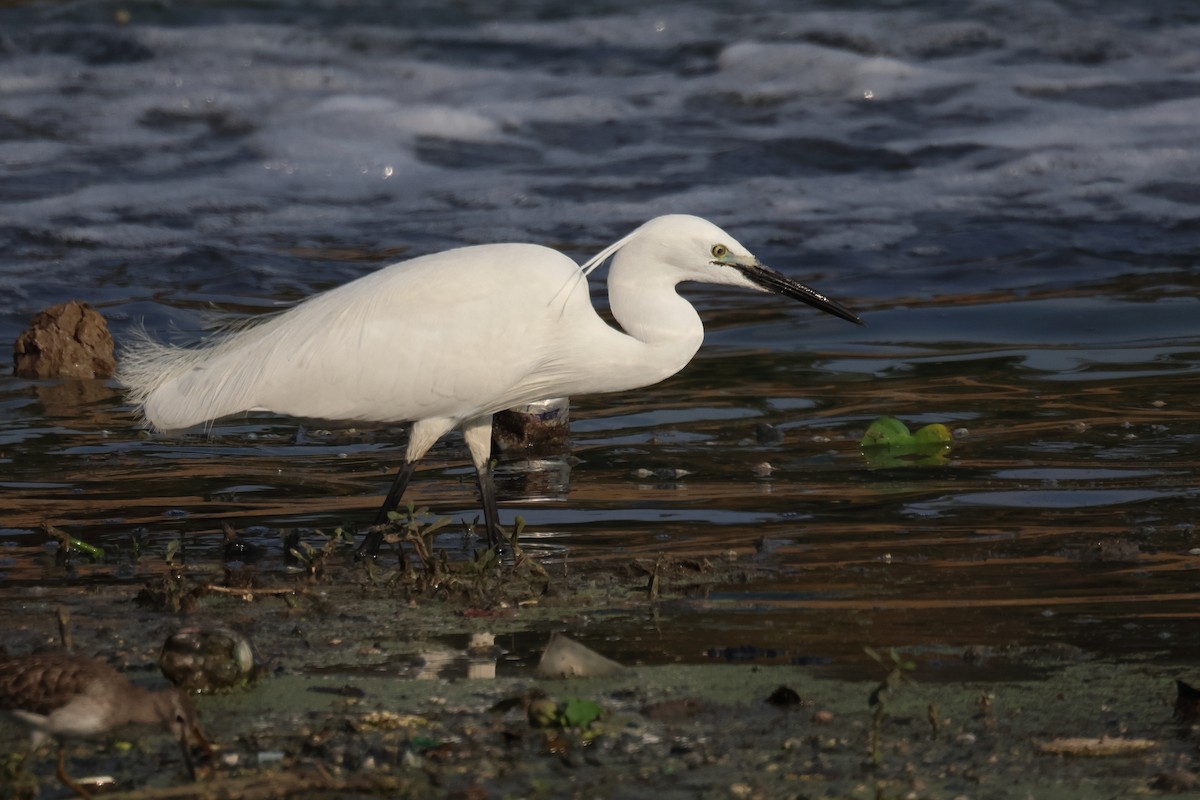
[648, 308]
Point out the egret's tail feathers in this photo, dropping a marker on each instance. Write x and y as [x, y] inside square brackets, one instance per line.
[179, 387]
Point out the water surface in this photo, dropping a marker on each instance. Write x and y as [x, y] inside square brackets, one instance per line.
[1006, 195]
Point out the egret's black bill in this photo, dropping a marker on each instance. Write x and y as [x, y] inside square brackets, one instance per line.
[773, 281]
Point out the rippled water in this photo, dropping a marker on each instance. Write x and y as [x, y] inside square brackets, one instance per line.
[1006, 193]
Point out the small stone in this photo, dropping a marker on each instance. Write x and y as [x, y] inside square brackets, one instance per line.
[766, 433]
[763, 469]
[69, 340]
[784, 697]
[1179, 780]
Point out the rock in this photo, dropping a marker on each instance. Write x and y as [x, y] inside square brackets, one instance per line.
[784, 697]
[69, 340]
[1187, 701]
[566, 658]
[544, 426]
[207, 660]
[766, 433]
[674, 710]
[1179, 780]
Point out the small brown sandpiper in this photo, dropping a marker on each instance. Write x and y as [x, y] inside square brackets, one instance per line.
[66, 695]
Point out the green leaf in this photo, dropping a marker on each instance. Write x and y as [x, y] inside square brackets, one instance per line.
[888, 443]
[887, 432]
[935, 434]
[421, 743]
[437, 524]
[578, 713]
[93, 552]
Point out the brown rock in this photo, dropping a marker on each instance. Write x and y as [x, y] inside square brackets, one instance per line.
[69, 340]
[544, 426]
[1179, 780]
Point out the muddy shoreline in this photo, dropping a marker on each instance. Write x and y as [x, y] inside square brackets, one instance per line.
[375, 683]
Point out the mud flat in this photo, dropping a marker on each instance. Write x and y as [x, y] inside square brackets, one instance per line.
[377, 682]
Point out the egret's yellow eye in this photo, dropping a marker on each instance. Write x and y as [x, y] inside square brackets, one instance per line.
[719, 251]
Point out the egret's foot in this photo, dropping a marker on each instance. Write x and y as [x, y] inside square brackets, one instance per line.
[372, 541]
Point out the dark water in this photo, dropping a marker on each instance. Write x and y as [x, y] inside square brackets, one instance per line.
[1005, 195]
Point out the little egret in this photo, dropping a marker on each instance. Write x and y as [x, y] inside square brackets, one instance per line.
[445, 341]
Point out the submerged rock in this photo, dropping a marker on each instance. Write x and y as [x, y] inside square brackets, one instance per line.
[69, 340]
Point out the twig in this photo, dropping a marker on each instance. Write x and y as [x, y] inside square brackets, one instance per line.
[242, 591]
[64, 628]
[275, 786]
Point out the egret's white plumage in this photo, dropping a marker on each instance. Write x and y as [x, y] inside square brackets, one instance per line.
[446, 340]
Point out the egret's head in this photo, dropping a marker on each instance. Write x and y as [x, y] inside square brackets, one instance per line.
[698, 250]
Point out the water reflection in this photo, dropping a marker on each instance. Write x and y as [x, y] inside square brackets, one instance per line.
[477, 660]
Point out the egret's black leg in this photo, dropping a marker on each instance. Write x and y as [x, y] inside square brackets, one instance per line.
[392, 501]
[491, 514]
[374, 537]
[477, 433]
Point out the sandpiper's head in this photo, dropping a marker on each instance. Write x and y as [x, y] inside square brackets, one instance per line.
[178, 715]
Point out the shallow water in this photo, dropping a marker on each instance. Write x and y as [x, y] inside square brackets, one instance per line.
[1005, 194]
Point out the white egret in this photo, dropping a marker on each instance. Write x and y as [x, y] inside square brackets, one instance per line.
[444, 341]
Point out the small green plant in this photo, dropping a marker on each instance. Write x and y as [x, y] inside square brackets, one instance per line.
[139, 539]
[312, 560]
[483, 577]
[70, 546]
[881, 694]
[572, 713]
[416, 528]
[171, 591]
[16, 781]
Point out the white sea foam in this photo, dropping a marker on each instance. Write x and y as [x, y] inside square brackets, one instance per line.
[829, 131]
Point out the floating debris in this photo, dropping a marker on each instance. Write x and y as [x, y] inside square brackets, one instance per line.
[1104, 746]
